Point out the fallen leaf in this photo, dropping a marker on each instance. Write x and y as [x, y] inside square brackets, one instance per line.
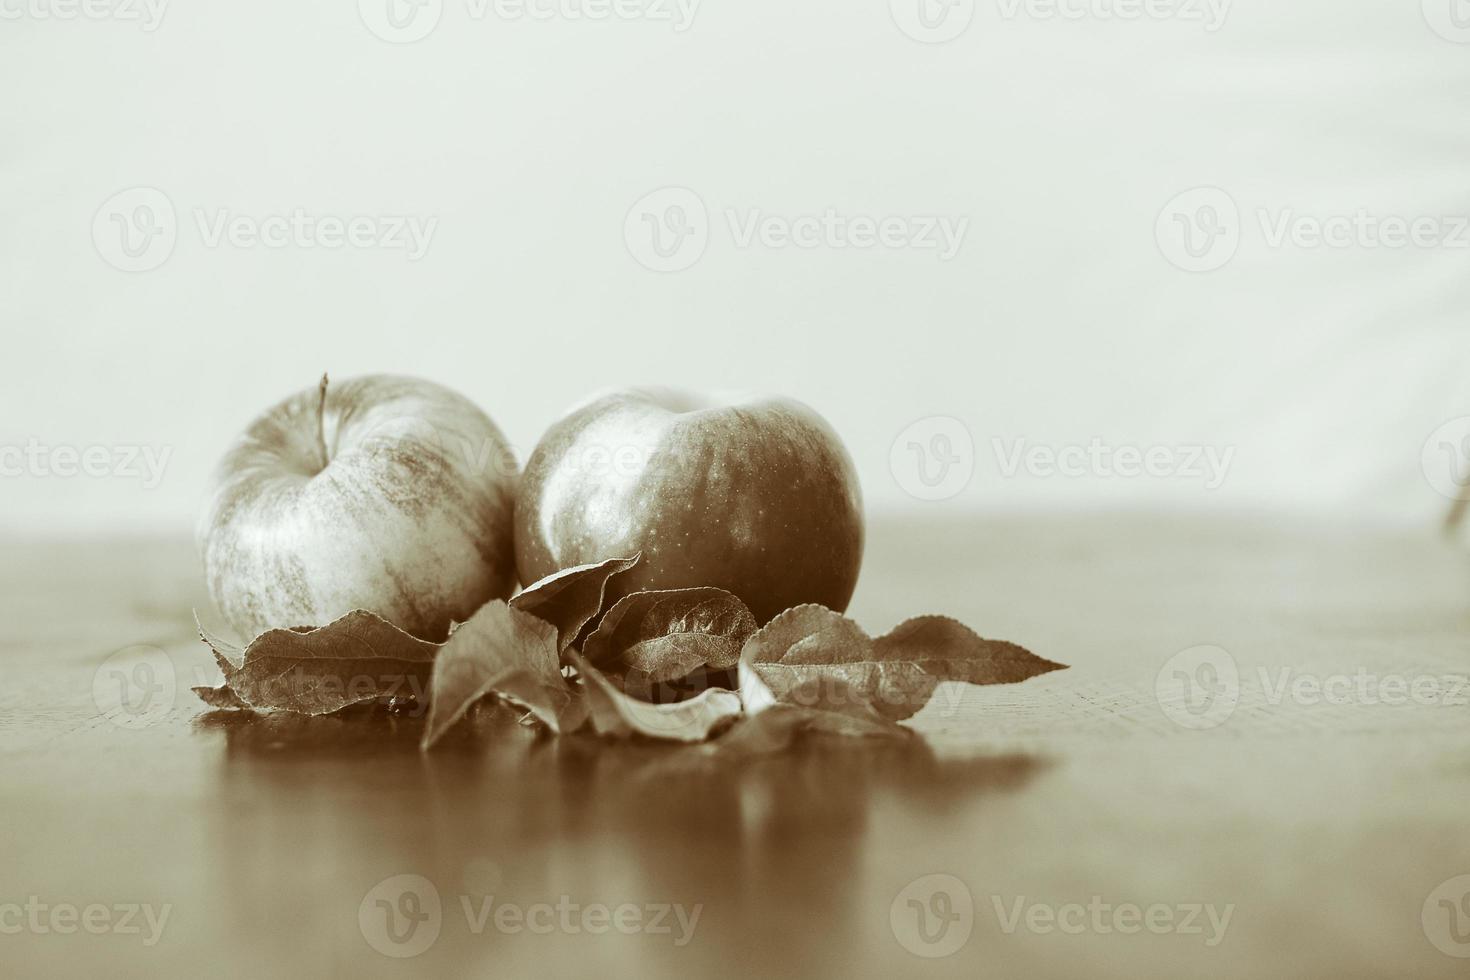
[895, 690]
[682, 688]
[809, 634]
[232, 652]
[770, 730]
[505, 652]
[814, 657]
[826, 704]
[755, 694]
[576, 713]
[571, 598]
[220, 696]
[951, 651]
[358, 658]
[617, 713]
[659, 636]
[808, 670]
[779, 726]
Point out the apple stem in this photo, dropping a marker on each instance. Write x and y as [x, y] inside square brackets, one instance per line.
[321, 421]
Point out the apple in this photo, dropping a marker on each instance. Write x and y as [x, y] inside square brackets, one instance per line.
[756, 496]
[385, 493]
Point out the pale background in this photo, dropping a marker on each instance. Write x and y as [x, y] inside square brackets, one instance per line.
[1060, 320]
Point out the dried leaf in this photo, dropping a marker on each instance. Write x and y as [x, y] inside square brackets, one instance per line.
[358, 658]
[782, 724]
[814, 657]
[809, 634]
[808, 670]
[222, 696]
[682, 688]
[755, 694]
[837, 708]
[617, 713]
[501, 651]
[576, 713]
[895, 690]
[659, 636]
[231, 652]
[571, 598]
[951, 651]
[826, 704]
[770, 730]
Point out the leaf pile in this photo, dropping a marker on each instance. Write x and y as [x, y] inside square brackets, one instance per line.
[681, 664]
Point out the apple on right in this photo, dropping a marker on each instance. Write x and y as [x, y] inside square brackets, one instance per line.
[755, 496]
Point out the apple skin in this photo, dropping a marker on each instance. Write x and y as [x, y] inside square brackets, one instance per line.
[757, 497]
[385, 493]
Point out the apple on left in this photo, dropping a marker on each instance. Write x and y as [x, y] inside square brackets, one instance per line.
[386, 493]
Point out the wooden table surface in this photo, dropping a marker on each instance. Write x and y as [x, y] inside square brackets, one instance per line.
[1330, 829]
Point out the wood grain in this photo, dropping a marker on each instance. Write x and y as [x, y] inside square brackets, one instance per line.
[1325, 826]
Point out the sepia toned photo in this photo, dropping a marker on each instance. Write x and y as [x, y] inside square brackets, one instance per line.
[690, 489]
